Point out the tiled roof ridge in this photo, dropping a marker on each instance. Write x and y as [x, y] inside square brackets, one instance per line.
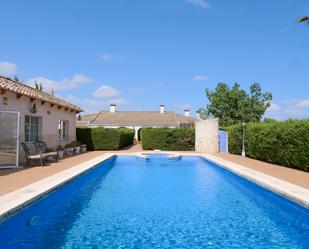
[38, 94]
[21, 83]
[142, 111]
[96, 116]
[175, 114]
[107, 111]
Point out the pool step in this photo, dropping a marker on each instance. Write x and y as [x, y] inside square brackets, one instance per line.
[145, 157]
[174, 157]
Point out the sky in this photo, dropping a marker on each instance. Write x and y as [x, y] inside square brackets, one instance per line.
[139, 54]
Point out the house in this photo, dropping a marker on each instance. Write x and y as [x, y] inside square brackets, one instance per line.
[136, 119]
[28, 114]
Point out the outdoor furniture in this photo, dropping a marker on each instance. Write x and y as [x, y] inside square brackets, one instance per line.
[41, 147]
[83, 148]
[31, 156]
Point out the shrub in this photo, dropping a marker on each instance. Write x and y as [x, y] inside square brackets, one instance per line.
[84, 136]
[285, 143]
[127, 137]
[168, 139]
[105, 138]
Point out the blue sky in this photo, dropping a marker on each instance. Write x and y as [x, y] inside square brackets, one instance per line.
[140, 54]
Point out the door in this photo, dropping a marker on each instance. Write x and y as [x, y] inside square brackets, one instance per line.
[9, 139]
[223, 140]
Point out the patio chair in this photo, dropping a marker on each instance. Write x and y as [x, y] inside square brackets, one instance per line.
[30, 156]
[41, 147]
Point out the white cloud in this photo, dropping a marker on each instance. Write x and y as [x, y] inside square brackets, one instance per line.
[273, 107]
[88, 105]
[292, 108]
[106, 92]
[93, 105]
[7, 68]
[200, 3]
[76, 81]
[291, 101]
[199, 77]
[119, 101]
[183, 107]
[139, 90]
[65, 84]
[46, 83]
[107, 57]
[303, 103]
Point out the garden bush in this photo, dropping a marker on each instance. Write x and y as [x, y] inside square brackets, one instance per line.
[105, 138]
[127, 137]
[285, 143]
[177, 139]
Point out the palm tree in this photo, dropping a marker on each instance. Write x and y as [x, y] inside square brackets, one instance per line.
[303, 19]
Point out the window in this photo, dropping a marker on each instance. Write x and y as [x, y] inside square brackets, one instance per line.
[63, 129]
[32, 128]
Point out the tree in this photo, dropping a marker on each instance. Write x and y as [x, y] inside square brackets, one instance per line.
[303, 19]
[234, 105]
[269, 120]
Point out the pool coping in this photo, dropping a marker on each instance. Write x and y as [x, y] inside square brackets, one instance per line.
[16, 200]
[283, 188]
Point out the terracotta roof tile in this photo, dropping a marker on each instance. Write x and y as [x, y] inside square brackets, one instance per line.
[134, 118]
[8, 84]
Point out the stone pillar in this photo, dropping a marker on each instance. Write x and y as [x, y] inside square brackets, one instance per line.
[207, 136]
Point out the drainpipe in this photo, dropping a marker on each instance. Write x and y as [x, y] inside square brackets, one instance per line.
[243, 152]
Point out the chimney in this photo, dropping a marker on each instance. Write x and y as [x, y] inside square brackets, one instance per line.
[198, 116]
[187, 112]
[162, 108]
[112, 108]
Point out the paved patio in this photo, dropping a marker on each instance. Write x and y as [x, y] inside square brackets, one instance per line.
[13, 179]
[294, 176]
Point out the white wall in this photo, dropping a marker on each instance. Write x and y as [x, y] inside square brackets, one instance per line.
[49, 121]
[207, 136]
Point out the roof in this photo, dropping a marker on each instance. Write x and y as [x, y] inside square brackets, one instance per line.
[8, 84]
[133, 118]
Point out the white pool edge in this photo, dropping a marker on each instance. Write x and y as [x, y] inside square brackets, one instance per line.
[19, 198]
[16, 200]
[283, 188]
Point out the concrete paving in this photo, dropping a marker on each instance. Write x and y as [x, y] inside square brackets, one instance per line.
[294, 176]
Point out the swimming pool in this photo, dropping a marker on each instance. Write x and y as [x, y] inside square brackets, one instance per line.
[128, 202]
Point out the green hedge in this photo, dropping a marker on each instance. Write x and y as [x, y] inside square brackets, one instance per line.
[284, 143]
[105, 138]
[177, 139]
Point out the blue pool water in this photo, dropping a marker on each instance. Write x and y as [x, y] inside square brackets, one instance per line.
[132, 203]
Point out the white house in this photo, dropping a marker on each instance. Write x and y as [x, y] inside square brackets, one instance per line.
[136, 119]
[28, 115]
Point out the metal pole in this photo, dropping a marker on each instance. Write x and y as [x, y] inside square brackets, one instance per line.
[243, 152]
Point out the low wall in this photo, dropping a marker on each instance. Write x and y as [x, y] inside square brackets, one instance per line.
[207, 136]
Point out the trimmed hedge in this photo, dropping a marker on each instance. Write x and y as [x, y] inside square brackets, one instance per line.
[168, 139]
[105, 138]
[284, 143]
